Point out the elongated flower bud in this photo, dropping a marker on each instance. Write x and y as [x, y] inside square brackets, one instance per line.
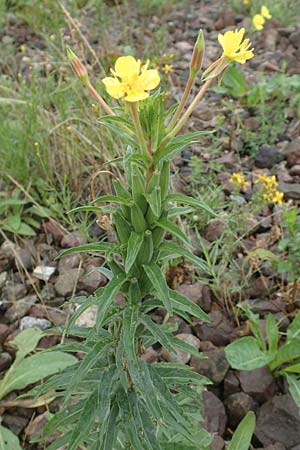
[77, 66]
[197, 56]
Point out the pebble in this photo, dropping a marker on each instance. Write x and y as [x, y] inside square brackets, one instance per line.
[72, 240]
[198, 293]
[214, 367]
[32, 322]
[214, 413]
[3, 279]
[20, 308]
[220, 331]
[181, 356]
[237, 406]
[44, 273]
[5, 361]
[66, 282]
[267, 157]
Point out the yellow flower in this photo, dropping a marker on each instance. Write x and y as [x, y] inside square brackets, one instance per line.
[267, 181]
[234, 48]
[168, 68]
[238, 179]
[265, 12]
[246, 2]
[277, 198]
[258, 21]
[131, 80]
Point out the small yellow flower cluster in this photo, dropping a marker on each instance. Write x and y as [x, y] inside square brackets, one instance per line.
[259, 19]
[246, 2]
[269, 189]
[238, 179]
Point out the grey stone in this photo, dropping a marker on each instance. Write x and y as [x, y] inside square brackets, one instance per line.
[66, 282]
[32, 322]
[258, 383]
[69, 262]
[91, 281]
[214, 229]
[20, 308]
[15, 423]
[237, 406]
[279, 422]
[198, 293]
[291, 190]
[3, 278]
[231, 383]
[219, 331]
[217, 443]
[4, 332]
[25, 257]
[215, 366]
[72, 240]
[214, 414]
[14, 291]
[267, 157]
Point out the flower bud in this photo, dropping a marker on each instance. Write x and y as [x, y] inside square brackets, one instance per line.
[77, 66]
[197, 56]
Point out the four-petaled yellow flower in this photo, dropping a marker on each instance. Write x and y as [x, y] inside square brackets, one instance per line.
[269, 191]
[238, 179]
[246, 2]
[131, 80]
[168, 68]
[258, 21]
[234, 47]
[265, 12]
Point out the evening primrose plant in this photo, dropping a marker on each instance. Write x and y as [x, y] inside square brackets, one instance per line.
[113, 398]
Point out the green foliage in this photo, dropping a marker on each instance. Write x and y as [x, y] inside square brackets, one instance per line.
[241, 440]
[233, 82]
[285, 11]
[27, 370]
[249, 353]
[289, 245]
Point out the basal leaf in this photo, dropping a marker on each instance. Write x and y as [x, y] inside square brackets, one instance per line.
[241, 439]
[92, 247]
[8, 440]
[245, 354]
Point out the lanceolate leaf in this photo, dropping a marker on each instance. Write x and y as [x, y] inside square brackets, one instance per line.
[92, 247]
[241, 439]
[134, 244]
[294, 388]
[171, 228]
[182, 303]
[112, 199]
[180, 198]
[159, 284]
[103, 209]
[170, 247]
[107, 296]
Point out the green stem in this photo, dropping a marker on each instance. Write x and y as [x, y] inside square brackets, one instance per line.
[182, 103]
[138, 126]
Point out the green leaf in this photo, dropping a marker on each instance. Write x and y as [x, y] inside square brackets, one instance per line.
[110, 436]
[92, 247]
[286, 353]
[26, 230]
[254, 324]
[13, 221]
[33, 369]
[184, 199]
[293, 332]
[158, 333]
[294, 368]
[174, 374]
[154, 200]
[107, 296]
[8, 440]
[245, 354]
[234, 80]
[159, 284]
[294, 388]
[102, 209]
[113, 199]
[181, 303]
[134, 244]
[272, 332]
[26, 341]
[241, 439]
[171, 228]
[167, 248]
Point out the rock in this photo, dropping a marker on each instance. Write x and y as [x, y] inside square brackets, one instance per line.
[150, 356]
[259, 286]
[3, 279]
[267, 157]
[32, 322]
[66, 282]
[91, 281]
[214, 414]
[88, 317]
[291, 190]
[237, 406]
[258, 383]
[295, 170]
[215, 366]
[73, 240]
[231, 383]
[279, 421]
[36, 426]
[8, 249]
[295, 38]
[15, 423]
[20, 308]
[25, 257]
[217, 443]
[276, 446]
[184, 47]
[223, 178]
[69, 262]
[219, 331]
[181, 356]
[55, 229]
[5, 361]
[43, 272]
[292, 152]
[14, 291]
[198, 293]
[214, 229]
[261, 306]
[4, 332]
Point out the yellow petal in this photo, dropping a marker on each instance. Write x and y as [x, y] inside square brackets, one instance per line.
[258, 21]
[113, 87]
[149, 79]
[136, 96]
[265, 12]
[126, 67]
